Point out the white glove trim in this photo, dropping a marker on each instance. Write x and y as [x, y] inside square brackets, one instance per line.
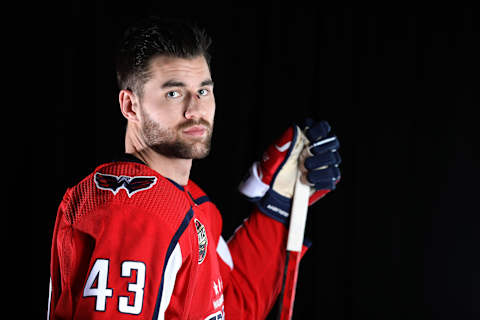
[253, 187]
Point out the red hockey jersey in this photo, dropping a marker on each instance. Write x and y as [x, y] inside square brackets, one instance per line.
[130, 244]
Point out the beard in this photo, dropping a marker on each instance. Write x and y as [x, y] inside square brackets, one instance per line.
[169, 142]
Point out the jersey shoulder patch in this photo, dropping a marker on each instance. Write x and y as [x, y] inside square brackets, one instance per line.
[123, 183]
[130, 184]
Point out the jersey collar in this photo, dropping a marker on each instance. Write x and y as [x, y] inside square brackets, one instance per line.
[127, 157]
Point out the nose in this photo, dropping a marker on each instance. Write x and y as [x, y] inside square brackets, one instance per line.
[194, 108]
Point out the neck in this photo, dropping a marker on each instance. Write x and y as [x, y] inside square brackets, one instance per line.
[175, 169]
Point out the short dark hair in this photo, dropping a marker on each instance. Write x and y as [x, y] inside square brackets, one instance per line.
[153, 37]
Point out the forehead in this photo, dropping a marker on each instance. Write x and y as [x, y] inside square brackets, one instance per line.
[188, 70]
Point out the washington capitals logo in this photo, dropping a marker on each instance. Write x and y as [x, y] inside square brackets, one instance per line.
[131, 185]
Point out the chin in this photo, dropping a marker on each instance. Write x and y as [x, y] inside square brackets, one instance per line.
[199, 152]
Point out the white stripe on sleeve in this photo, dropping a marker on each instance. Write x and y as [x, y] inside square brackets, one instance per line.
[49, 298]
[173, 265]
[224, 252]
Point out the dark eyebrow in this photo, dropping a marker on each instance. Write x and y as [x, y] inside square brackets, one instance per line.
[208, 82]
[175, 83]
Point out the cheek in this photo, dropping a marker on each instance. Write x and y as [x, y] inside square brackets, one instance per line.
[211, 111]
[163, 113]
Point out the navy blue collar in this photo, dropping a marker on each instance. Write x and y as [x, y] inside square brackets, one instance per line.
[127, 157]
[176, 184]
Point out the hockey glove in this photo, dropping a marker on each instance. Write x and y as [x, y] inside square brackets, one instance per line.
[271, 181]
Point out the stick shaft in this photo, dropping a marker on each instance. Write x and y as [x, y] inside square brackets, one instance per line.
[296, 231]
[298, 216]
[289, 286]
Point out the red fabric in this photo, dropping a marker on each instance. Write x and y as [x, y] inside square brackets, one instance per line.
[275, 155]
[117, 234]
[288, 298]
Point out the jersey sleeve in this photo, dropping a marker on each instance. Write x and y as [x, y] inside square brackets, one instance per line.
[118, 260]
[253, 278]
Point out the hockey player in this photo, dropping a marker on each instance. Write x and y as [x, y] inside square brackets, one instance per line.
[137, 239]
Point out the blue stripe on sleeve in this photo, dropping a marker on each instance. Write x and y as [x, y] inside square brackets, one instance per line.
[171, 247]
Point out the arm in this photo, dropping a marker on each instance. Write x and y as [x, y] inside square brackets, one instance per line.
[258, 253]
[258, 247]
[106, 266]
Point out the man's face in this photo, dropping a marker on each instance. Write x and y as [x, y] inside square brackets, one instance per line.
[178, 107]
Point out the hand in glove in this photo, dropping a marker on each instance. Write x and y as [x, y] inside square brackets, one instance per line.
[271, 181]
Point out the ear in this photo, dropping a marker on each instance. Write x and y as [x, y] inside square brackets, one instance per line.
[129, 105]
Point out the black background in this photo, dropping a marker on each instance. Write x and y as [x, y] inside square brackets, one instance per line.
[399, 238]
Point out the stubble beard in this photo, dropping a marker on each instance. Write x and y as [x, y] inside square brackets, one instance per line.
[169, 142]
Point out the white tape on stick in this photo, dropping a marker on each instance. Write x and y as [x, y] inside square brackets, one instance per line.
[298, 215]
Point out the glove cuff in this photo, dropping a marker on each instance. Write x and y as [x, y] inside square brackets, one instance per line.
[275, 206]
[253, 187]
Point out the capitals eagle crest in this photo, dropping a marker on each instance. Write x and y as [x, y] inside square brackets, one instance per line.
[131, 185]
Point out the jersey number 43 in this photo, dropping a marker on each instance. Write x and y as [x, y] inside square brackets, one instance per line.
[97, 286]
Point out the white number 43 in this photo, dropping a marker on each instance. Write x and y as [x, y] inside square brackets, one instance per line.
[99, 276]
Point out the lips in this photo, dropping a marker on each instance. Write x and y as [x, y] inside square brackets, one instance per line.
[195, 131]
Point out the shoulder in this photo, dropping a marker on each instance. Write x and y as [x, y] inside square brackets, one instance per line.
[194, 189]
[124, 183]
[197, 194]
[202, 201]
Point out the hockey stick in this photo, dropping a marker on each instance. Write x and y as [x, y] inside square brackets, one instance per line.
[298, 217]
